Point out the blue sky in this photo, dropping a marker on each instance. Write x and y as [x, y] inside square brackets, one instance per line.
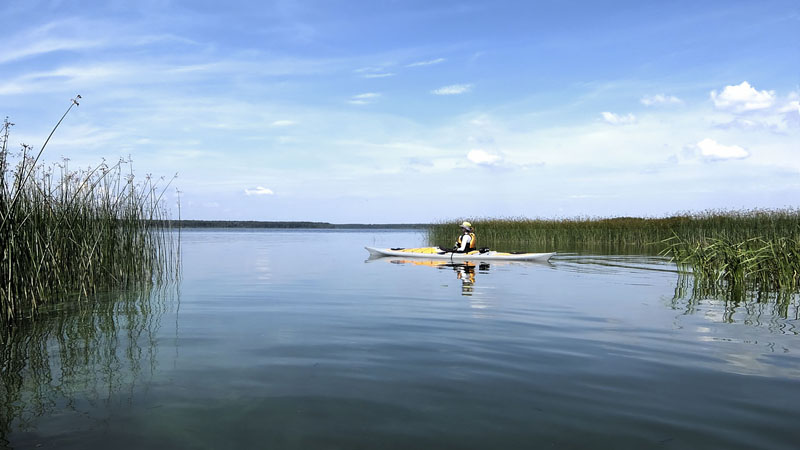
[419, 111]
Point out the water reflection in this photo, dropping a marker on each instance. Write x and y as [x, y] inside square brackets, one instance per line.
[465, 271]
[737, 304]
[71, 360]
[715, 301]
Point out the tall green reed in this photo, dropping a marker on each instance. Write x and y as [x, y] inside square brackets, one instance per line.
[69, 233]
[744, 251]
[755, 264]
[622, 234]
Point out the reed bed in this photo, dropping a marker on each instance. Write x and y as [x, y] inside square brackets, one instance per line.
[623, 234]
[755, 264]
[69, 233]
[732, 251]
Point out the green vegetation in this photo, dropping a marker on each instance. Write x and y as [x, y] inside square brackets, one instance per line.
[755, 264]
[69, 233]
[624, 234]
[736, 302]
[741, 251]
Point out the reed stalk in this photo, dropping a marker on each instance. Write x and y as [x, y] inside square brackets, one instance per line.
[69, 233]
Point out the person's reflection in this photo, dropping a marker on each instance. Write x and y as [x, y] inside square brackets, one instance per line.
[466, 273]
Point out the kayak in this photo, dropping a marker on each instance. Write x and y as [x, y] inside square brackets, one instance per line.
[437, 253]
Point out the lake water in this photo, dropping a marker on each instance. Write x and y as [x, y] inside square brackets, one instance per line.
[294, 339]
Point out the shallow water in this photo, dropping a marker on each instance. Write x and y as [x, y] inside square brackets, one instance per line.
[294, 339]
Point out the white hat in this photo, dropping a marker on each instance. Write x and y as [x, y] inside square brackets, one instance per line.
[466, 225]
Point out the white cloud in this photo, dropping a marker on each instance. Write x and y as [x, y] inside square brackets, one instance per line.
[47, 46]
[791, 106]
[791, 112]
[742, 124]
[260, 190]
[363, 99]
[712, 149]
[378, 75]
[426, 63]
[453, 89]
[13, 88]
[370, 69]
[71, 35]
[616, 119]
[480, 121]
[483, 158]
[374, 72]
[781, 117]
[282, 123]
[66, 77]
[660, 99]
[743, 98]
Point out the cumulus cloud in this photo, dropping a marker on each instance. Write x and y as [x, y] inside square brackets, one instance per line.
[616, 119]
[713, 150]
[781, 117]
[365, 98]
[792, 107]
[426, 63]
[743, 98]
[453, 89]
[483, 158]
[260, 190]
[660, 99]
[792, 104]
[282, 123]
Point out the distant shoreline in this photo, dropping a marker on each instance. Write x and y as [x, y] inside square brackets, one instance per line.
[290, 224]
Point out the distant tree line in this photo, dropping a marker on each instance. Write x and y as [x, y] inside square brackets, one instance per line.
[281, 224]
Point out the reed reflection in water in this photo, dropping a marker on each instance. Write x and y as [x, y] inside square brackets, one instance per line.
[728, 303]
[750, 307]
[738, 304]
[72, 360]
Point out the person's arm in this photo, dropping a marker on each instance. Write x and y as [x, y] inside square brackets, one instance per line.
[465, 242]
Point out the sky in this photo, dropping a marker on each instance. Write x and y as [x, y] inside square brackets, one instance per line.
[417, 111]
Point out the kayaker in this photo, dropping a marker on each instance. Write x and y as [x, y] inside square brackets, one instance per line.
[466, 242]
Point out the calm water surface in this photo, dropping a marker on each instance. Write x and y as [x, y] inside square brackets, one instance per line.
[294, 339]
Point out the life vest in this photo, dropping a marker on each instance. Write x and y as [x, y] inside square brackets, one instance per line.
[471, 245]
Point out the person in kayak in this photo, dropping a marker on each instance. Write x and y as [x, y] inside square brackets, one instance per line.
[466, 242]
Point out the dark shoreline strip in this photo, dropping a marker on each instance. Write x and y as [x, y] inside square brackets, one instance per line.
[289, 224]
